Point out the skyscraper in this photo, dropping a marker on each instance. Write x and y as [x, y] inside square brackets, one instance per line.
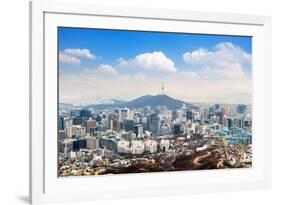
[177, 129]
[220, 115]
[138, 129]
[216, 106]
[241, 109]
[124, 114]
[85, 113]
[189, 115]
[61, 123]
[155, 124]
[129, 125]
[229, 122]
[174, 115]
[90, 124]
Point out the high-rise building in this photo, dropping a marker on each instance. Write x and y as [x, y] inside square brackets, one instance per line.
[61, 123]
[164, 145]
[146, 110]
[109, 143]
[241, 123]
[77, 121]
[65, 152]
[79, 144]
[165, 129]
[91, 124]
[92, 142]
[216, 106]
[138, 129]
[99, 118]
[65, 143]
[211, 109]
[93, 131]
[123, 146]
[241, 109]
[189, 115]
[229, 122]
[150, 146]
[131, 136]
[129, 125]
[155, 124]
[85, 113]
[74, 113]
[117, 114]
[177, 129]
[144, 122]
[110, 124]
[137, 147]
[116, 125]
[61, 135]
[75, 131]
[124, 114]
[67, 122]
[220, 115]
[174, 115]
[247, 123]
[236, 122]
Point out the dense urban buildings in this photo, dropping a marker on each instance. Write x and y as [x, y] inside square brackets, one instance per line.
[135, 101]
[119, 139]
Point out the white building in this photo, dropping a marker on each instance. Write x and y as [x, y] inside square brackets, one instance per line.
[137, 147]
[131, 136]
[147, 133]
[123, 146]
[124, 114]
[65, 152]
[164, 145]
[92, 143]
[150, 146]
[139, 129]
[72, 154]
[97, 157]
[75, 130]
[67, 122]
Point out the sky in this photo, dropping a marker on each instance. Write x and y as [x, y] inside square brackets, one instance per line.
[96, 66]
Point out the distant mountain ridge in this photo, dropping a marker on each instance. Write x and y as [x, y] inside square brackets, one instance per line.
[148, 100]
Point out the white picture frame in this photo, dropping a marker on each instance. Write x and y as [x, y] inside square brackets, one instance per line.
[45, 187]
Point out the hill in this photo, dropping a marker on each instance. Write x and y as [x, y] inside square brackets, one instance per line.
[148, 100]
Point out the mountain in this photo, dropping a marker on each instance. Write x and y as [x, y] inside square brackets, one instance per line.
[148, 100]
[65, 105]
[117, 102]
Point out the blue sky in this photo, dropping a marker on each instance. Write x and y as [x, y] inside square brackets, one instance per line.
[151, 56]
[110, 45]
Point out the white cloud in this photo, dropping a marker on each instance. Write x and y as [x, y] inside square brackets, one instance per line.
[104, 83]
[196, 56]
[189, 75]
[151, 61]
[64, 58]
[83, 53]
[105, 69]
[220, 79]
[226, 52]
[226, 60]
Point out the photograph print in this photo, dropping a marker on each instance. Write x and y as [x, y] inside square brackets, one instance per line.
[146, 102]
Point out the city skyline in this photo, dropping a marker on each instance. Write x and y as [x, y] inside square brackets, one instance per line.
[96, 66]
[142, 102]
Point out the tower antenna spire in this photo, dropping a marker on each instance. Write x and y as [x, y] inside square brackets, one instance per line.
[162, 89]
